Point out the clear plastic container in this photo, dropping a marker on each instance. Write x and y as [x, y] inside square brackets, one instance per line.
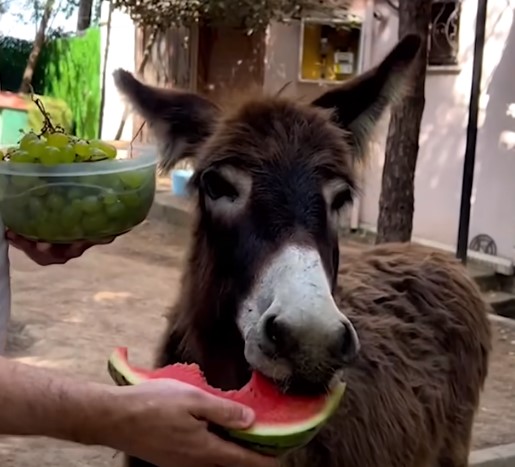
[79, 201]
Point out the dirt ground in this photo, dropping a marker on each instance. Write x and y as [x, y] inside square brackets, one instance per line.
[71, 317]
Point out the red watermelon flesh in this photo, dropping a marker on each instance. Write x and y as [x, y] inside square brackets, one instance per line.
[283, 421]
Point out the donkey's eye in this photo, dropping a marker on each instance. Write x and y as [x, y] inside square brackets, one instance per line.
[216, 186]
[341, 198]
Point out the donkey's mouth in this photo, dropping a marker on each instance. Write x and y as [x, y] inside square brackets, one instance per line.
[302, 387]
[298, 384]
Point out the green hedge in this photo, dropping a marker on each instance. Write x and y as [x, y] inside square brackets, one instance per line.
[14, 54]
[72, 73]
[68, 69]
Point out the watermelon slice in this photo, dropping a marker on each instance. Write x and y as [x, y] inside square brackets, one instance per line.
[283, 422]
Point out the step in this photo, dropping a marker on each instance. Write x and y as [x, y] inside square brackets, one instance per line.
[487, 280]
[503, 303]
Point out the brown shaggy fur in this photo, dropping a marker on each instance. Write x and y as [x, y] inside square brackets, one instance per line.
[425, 336]
[413, 392]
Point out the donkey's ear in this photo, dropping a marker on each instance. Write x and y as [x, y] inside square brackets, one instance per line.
[181, 121]
[359, 103]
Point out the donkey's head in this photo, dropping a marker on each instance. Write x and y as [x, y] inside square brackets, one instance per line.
[271, 178]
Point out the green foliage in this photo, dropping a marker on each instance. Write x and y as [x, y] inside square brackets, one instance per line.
[249, 14]
[68, 69]
[72, 73]
[13, 59]
[14, 54]
[58, 110]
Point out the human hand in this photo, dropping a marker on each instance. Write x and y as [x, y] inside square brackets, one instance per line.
[165, 423]
[45, 254]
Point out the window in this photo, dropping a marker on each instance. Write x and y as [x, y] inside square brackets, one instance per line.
[330, 51]
[444, 33]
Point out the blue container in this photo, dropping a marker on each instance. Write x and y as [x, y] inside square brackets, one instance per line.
[180, 178]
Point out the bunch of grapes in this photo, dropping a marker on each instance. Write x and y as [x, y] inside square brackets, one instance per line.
[54, 206]
[68, 208]
[56, 147]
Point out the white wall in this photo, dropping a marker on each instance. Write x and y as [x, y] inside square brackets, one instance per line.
[121, 54]
[443, 137]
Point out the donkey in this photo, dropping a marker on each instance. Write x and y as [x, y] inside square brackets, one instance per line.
[263, 287]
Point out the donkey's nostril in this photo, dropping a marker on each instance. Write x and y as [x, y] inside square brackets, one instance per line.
[277, 333]
[272, 330]
[350, 343]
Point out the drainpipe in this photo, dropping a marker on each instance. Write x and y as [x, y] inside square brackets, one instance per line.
[470, 149]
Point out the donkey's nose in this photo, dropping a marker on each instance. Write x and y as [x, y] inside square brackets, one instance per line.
[285, 338]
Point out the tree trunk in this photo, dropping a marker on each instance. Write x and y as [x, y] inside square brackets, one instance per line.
[39, 41]
[396, 203]
[84, 19]
[104, 70]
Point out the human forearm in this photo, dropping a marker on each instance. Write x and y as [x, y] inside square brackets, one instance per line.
[33, 401]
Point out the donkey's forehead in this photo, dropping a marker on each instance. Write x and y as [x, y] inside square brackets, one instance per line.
[279, 132]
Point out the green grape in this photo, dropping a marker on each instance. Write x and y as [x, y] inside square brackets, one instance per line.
[107, 148]
[77, 204]
[67, 154]
[28, 139]
[21, 156]
[116, 210]
[131, 200]
[28, 229]
[109, 197]
[112, 181]
[58, 140]
[50, 156]
[76, 233]
[95, 223]
[74, 193]
[46, 229]
[97, 154]
[133, 179]
[36, 149]
[35, 207]
[55, 202]
[91, 204]
[82, 149]
[70, 216]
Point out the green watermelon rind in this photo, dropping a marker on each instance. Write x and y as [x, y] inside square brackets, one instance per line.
[272, 439]
[120, 372]
[291, 428]
[277, 439]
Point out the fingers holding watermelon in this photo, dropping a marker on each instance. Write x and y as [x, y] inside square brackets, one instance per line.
[166, 423]
[223, 412]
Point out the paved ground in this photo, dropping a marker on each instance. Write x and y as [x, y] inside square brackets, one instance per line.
[70, 318]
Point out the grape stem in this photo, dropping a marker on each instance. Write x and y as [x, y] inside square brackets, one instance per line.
[48, 126]
[135, 136]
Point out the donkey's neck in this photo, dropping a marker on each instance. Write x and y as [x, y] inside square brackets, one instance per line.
[204, 321]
